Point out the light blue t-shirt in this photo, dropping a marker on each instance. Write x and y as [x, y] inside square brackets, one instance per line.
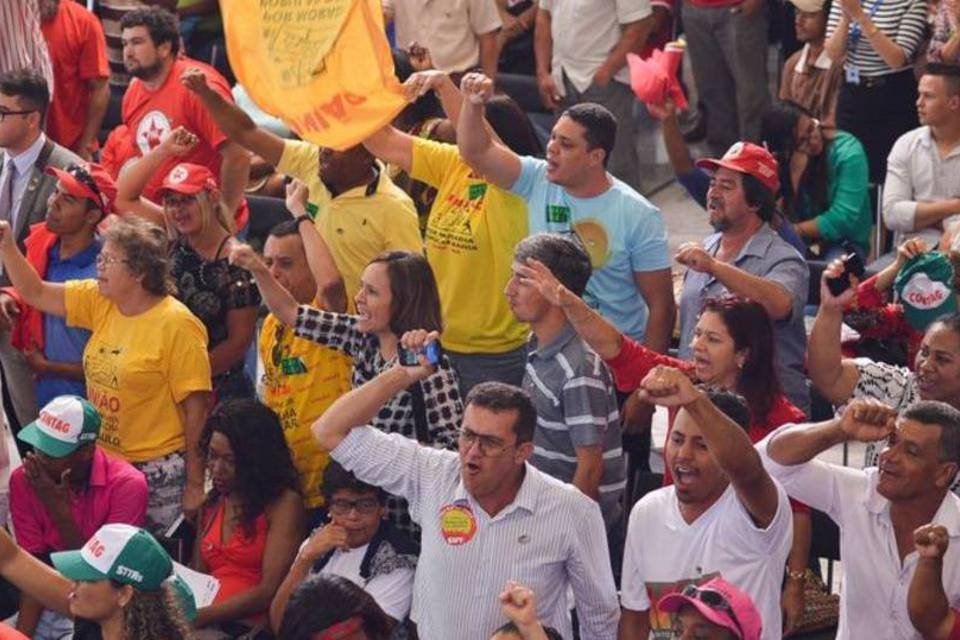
[621, 230]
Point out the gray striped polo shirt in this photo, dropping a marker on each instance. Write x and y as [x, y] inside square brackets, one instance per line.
[573, 392]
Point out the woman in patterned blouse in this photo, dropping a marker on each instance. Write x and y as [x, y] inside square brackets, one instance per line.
[398, 293]
[224, 297]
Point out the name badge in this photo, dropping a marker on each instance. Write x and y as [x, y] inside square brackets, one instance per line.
[851, 73]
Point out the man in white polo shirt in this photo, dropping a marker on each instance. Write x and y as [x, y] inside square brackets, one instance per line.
[487, 515]
[723, 515]
[877, 509]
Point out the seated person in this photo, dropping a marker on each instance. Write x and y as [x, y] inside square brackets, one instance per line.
[723, 515]
[253, 517]
[328, 606]
[66, 489]
[810, 78]
[519, 606]
[824, 175]
[357, 544]
[63, 247]
[876, 508]
[716, 610]
[917, 201]
[930, 611]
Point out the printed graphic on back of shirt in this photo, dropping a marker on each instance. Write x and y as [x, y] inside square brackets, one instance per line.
[661, 623]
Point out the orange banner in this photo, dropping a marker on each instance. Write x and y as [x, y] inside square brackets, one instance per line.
[322, 66]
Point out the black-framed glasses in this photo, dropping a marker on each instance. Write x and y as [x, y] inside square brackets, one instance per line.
[488, 446]
[364, 506]
[23, 112]
[713, 599]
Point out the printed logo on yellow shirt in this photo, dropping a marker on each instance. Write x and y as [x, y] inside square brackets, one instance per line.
[101, 369]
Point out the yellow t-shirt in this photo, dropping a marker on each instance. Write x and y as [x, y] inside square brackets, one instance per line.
[138, 369]
[300, 380]
[358, 224]
[472, 230]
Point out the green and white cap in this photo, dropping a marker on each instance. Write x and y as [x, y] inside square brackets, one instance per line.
[64, 424]
[119, 552]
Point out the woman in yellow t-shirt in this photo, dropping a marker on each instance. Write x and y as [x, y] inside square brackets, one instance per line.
[145, 365]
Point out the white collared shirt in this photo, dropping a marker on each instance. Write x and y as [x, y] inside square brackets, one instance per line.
[24, 164]
[549, 538]
[916, 173]
[873, 594]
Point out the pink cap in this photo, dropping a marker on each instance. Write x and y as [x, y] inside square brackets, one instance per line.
[748, 158]
[721, 603]
[189, 179]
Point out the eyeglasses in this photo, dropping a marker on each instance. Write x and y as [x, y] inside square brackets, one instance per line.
[364, 506]
[4, 114]
[105, 260]
[488, 446]
[713, 599]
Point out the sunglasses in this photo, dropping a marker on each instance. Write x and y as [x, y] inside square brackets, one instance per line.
[713, 599]
[84, 177]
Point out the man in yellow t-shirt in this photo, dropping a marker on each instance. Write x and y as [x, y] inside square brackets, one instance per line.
[300, 377]
[472, 229]
[360, 213]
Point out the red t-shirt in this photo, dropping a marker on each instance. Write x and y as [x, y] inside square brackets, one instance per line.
[78, 50]
[149, 115]
[7, 633]
[954, 633]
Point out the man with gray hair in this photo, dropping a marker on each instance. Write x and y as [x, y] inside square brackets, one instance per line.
[878, 508]
[577, 439]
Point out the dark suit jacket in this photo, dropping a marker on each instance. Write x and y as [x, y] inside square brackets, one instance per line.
[33, 205]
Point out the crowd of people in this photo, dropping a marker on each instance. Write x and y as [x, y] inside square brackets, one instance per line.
[418, 401]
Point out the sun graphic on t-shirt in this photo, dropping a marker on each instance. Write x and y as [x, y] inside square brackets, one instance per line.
[594, 237]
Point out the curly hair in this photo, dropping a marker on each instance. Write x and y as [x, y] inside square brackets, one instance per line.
[264, 468]
[155, 615]
[144, 245]
[162, 25]
[749, 325]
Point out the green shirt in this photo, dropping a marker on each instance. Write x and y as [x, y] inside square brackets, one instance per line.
[848, 215]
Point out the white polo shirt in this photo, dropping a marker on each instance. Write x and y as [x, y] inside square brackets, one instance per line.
[873, 593]
[448, 28]
[663, 553]
[585, 32]
[550, 538]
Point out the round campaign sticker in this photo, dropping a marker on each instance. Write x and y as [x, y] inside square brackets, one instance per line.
[457, 524]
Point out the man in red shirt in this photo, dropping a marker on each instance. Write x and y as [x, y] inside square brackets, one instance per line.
[78, 51]
[156, 103]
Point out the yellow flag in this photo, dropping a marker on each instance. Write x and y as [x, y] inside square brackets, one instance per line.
[322, 66]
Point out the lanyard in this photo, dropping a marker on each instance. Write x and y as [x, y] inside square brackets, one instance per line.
[853, 39]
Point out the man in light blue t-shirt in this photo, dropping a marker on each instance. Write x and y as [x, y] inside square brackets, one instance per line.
[571, 192]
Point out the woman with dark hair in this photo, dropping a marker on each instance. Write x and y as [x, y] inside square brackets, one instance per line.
[397, 294]
[201, 233]
[733, 349]
[253, 517]
[824, 179]
[145, 364]
[471, 229]
[330, 606]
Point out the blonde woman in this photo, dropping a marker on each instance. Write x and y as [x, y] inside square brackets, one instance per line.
[223, 296]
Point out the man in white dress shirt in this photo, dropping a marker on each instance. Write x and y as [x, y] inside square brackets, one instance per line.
[487, 515]
[878, 509]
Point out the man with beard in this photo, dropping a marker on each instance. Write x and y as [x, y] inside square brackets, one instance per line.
[156, 103]
[747, 258]
[487, 515]
[723, 515]
[878, 508]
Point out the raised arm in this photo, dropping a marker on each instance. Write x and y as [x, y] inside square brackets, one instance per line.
[727, 442]
[137, 173]
[330, 286]
[927, 603]
[33, 577]
[48, 297]
[864, 420]
[479, 149]
[280, 302]
[832, 375]
[232, 120]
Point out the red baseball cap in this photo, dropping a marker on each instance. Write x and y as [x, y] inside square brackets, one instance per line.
[189, 179]
[721, 603]
[748, 158]
[90, 181]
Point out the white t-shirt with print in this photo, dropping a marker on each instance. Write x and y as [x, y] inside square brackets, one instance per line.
[663, 550]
